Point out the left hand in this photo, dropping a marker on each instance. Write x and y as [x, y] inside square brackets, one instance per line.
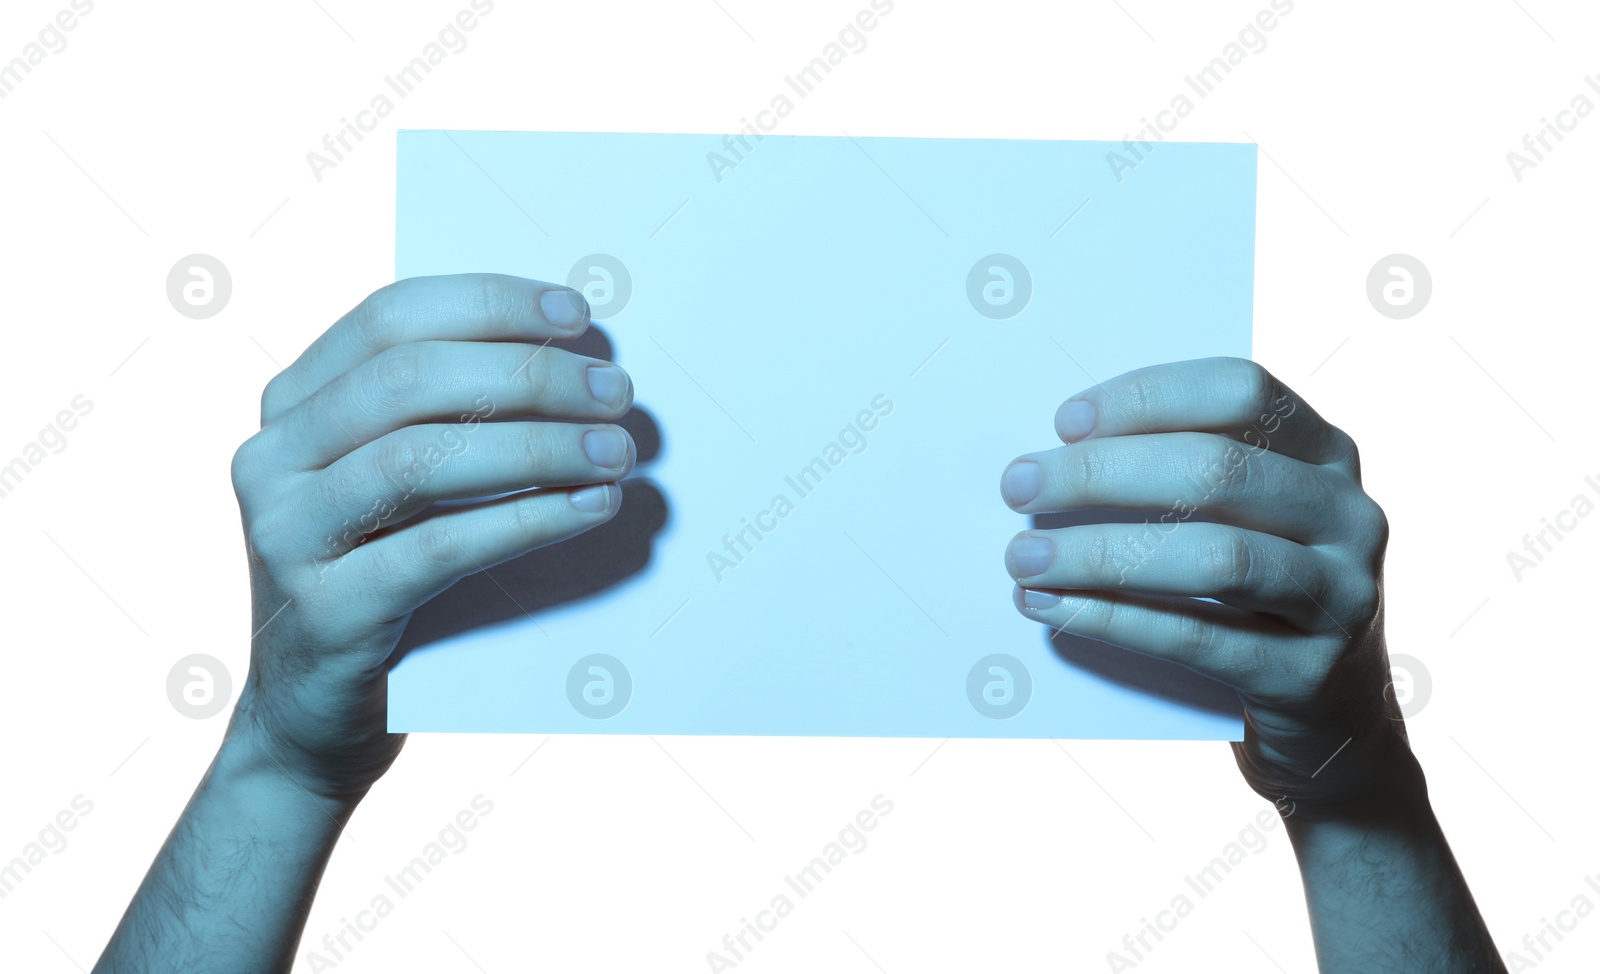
[1294, 557]
[384, 417]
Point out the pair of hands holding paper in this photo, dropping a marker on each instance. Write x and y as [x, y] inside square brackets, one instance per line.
[1265, 574]
[337, 489]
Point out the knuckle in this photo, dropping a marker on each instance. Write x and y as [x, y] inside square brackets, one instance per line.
[1227, 468]
[1372, 524]
[534, 521]
[1345, 454]
[1196, 637]
[1353, 455]
[397, 372]
[398, 454]
[1233, 563]
[1084, 468]
[378, 321]
[1353, 587]
[539, 454]
[1261, 389]
[369, 321]
[1096, 556]
[1097, 619]
[537, 376]
[1366, 598]
[264, 538]
[242, 468]
[273, 399]
[501, 305]
[398, 463]
[437, 545]
[1141, 397]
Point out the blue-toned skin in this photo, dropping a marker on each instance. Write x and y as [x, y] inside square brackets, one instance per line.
[1291, 553]
[391, 387]
[341, 552]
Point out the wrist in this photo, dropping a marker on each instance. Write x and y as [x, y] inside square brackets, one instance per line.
[1383, 889]
[252, 762]
[332, 741]
[1396, 802]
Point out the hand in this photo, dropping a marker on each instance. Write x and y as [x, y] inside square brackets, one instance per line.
[1293, 556]
[432, 389]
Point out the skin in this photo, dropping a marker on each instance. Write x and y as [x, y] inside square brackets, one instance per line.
[1293, 558]
[447, 379]
[438, 389]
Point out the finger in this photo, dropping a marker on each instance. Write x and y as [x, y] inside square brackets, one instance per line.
[455, 307]
[447, 381]
[1231, 396]
[1249, 652]
[399, 475]
[1173, 475]
[1246, 569]
[410, 565]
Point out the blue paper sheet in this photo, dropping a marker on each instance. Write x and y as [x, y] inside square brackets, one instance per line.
[838, 343]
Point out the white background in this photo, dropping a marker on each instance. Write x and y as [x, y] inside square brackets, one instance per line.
[1384, 128]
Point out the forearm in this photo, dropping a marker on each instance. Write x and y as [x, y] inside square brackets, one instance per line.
[230, 890]
[1384, 890]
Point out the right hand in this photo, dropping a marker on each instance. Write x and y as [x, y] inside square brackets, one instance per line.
[1291, 555]
[382, 416]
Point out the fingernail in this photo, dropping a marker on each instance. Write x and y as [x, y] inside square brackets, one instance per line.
[1075, 419]
[592, 500]
[606, 448]
[1030, 555]
[564, 308]
[608, 384]
[1020, 483]
[1035, 599]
